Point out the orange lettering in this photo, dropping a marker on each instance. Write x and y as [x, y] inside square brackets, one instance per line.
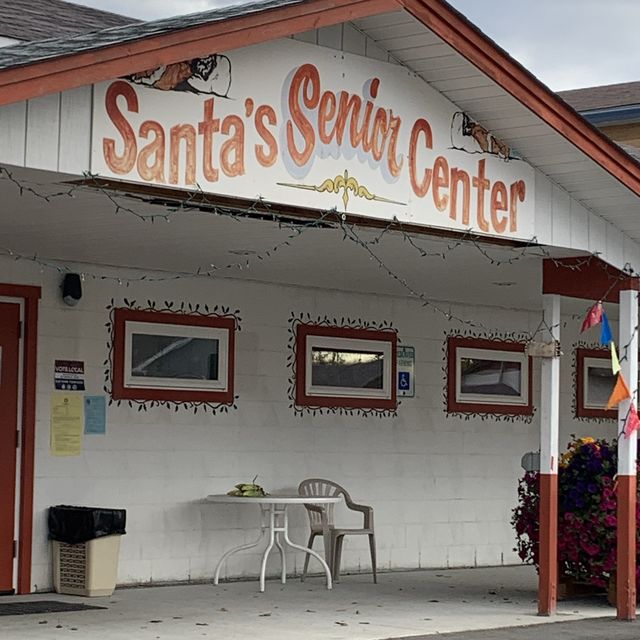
[306, 78]
[235, 146]
[421, 126]
[440, 179]
[518, 192]
[187, 133]
[481, 183]
[125, 162]
[498, 203]
[460, 176]
[155, 149]
[206, 128]
[326, 112]
[266, 159]
[395, 165]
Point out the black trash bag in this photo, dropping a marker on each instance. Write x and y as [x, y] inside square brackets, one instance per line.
[80, 524]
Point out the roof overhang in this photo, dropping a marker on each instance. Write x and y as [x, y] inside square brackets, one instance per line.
[497, 90]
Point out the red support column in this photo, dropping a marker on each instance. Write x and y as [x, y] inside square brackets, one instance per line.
[626, 572]
[548, 574]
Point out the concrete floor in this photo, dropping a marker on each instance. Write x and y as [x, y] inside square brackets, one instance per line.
[402, 604]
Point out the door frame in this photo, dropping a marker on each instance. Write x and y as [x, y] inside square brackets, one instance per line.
[29, 297]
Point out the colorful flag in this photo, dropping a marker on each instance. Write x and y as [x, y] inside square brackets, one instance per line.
[615, 363]
[605, 332]
[593, 317]
[633, 422]
[620, 392]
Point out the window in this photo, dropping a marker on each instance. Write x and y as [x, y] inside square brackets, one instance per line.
[594, 383]
[343, 367]
[166, 356]
[488, 376]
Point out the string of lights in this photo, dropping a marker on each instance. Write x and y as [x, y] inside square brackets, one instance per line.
[199, 202]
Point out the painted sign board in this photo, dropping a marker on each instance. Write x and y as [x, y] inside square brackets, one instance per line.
[302, 125]
[406, 371]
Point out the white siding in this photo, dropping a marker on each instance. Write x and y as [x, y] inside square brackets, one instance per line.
[442, 488]
[54, 133]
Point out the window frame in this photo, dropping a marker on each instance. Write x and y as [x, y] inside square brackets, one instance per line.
[495, 350]
[126, 320]
[585, 356]
[308, 336]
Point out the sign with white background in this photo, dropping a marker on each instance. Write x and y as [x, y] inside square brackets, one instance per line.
[302, 125]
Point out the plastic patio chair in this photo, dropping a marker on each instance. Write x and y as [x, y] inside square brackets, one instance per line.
[321, 520]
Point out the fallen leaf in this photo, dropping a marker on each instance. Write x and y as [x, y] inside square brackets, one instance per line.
[342, 624]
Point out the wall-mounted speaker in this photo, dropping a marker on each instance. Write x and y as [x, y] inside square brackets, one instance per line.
[71, 289]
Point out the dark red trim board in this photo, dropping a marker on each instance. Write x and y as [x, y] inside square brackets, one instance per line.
[586, 277]
[581, 410]
[83, 68]
[120, 392]
[453, 406]
[30, 295]
[303, 400]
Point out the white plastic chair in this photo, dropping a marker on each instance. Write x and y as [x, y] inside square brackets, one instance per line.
[321, 521]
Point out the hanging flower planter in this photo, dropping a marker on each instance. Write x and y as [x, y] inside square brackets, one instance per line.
[587, 518]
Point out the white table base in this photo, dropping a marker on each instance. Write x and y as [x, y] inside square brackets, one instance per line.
[275, 526]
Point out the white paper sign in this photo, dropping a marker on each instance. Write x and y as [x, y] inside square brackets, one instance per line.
[307, 126]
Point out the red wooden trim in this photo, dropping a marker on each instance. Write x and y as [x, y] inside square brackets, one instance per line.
[120, 392]
[303, 400]
[548, 558]
[498, 65]
[626, 547]
[453, 406]
[581, 410]
[75, 70]
[589, 278]
[30, 295]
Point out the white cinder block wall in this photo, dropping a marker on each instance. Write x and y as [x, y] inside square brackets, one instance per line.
[443, 488]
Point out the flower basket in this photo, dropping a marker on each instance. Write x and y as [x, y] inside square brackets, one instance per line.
[587, 519]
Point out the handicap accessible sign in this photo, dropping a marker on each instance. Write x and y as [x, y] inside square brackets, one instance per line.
[406, 370]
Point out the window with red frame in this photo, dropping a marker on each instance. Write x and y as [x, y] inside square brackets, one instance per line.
[172, 357]
[345, 367]
[594, 383]
[488, 376]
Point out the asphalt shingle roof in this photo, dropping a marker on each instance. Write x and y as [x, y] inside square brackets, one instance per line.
[23, 54]
[41, 19]
[611, 95]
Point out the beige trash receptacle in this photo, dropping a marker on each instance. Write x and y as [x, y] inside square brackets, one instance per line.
[86, 569]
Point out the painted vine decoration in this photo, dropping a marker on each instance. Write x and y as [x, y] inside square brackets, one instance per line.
[182, 308]
[513, 337]
[340, 323]
[582, 344]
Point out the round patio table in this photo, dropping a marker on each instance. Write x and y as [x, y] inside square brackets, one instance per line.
[275, 526]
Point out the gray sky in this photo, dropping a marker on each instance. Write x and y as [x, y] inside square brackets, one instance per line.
[566, 43]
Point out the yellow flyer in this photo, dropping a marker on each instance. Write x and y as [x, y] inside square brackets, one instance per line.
[66, 424]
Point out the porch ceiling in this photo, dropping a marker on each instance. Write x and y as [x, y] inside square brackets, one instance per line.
[86, 229]
[415, 46]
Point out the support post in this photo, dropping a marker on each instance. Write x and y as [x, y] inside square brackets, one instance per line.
[627, 454]
[549, 417]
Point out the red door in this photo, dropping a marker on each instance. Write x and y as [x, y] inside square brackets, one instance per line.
[9, 366]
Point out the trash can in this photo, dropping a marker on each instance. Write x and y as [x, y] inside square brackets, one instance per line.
[86, 544]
